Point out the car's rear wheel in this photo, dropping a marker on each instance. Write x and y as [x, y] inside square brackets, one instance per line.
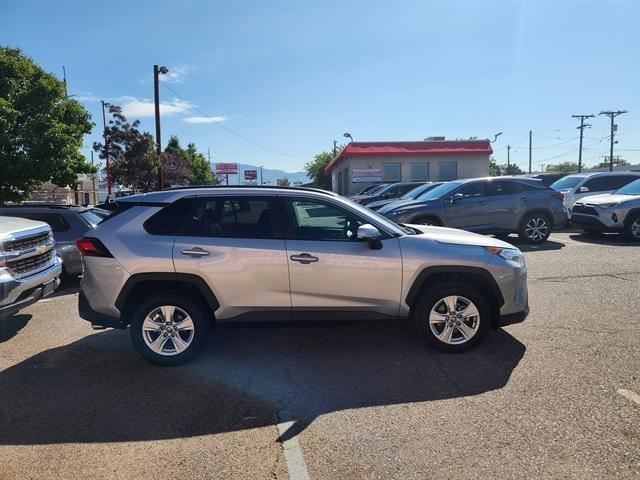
[169, 329]
[534, 228]
[452, 317]
[632, 227]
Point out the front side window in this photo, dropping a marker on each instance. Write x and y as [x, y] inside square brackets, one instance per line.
[632, 188]
[448, 171]
[472, 190]
[420, 172]
[315, 220]
[391, 172]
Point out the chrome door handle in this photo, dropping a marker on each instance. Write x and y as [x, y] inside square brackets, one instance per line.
[304, 258]
[195, 252]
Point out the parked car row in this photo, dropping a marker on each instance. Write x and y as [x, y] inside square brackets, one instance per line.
[529, 206]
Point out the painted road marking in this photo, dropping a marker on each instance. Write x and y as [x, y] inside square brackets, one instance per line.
[293, 454]
[634, 397]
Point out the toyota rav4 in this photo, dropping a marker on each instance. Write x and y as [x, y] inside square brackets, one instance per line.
[169, 264]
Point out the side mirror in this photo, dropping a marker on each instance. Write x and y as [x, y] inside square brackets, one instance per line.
[583, 189]
[369, 233]
[455, 197]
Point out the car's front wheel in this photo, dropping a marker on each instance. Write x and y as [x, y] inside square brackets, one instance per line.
[169, 329]
[632, 227]
[452, 317]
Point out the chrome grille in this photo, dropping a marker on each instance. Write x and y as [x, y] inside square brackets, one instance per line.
[24, 266]
[26, 242]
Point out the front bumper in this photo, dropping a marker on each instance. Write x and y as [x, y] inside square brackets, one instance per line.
[606, 221]
[511, 318]
[16, 294]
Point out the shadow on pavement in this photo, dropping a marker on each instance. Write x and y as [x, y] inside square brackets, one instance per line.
[604, 239]
[99, 390]
[10, 326]
[68, 286]
[528, 247]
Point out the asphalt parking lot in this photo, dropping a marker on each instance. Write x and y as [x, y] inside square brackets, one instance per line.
[550, 398]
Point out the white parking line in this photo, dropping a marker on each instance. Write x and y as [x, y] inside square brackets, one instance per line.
[293, 454]
[634, 397]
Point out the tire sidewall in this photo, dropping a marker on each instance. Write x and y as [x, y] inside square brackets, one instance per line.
[192, 307]
[627, 227]
[523, 225]
[428, 299]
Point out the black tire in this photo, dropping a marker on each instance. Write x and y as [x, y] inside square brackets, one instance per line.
[431, 298]
[191, 306]
[528, 234]
[631, 226]
[426, 220]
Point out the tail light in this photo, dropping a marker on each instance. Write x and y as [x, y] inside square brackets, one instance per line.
[92, 247]
[558, 196]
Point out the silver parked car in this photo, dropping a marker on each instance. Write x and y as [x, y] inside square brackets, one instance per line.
[613, 212]
[67, 222]
[170, 263]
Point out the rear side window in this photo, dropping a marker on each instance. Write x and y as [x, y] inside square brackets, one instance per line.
[504, 187]
[56, 221]
[230, 217]
[607, 182]
[170, 220]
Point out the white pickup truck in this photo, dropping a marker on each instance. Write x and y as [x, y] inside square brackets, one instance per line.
[29, 266]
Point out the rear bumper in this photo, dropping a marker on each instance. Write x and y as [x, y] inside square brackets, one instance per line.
[95, 318]
[511, 318]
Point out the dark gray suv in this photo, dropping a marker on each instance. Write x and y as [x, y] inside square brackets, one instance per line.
[495, 205]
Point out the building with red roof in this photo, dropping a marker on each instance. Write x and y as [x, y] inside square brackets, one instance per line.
[433, 159]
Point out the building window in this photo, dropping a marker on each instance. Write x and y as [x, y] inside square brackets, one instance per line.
[391, 172]
[340, 183]
[419, 172]
[448, 171]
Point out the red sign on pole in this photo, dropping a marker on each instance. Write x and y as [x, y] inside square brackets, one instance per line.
[251, 175]
[226, 168]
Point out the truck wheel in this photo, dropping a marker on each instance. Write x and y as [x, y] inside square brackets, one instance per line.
[452, 317]
[169, 328]
[632, 227]
[534, 228]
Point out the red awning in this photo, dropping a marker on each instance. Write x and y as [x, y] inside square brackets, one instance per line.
[425, 148]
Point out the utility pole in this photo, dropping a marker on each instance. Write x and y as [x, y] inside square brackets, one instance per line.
[508, 156]
[156, 95]
[64, 80]
[581, 128]
[530, 134]
[611, 116]
[261, 179]
[106, 150]
[335, 148]
[93, 177]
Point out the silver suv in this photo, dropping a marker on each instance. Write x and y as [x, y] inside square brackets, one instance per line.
[171, 263]
[613, 212]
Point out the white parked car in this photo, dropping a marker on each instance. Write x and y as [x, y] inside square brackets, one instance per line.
[579, 185]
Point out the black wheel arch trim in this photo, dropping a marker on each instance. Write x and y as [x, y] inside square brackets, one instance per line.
[177, 278]
[631, 213]
[424, 275]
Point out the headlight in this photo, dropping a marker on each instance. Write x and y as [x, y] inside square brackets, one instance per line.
[512, 254]
[611, 205]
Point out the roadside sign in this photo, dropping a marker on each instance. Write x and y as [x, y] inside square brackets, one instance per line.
[251, 175]
[366, 175]
[226, 168]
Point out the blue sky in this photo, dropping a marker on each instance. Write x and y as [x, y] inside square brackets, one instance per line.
[294, 76]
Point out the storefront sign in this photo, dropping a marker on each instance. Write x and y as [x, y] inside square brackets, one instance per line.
[366, 175]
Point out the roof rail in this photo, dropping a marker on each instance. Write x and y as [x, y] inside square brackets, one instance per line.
[305, 189]
[38, 205]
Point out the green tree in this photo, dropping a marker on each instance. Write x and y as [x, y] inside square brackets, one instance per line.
[131, 152]
[617, 162]
[175, 170]
[315, 170]
[512, 169]
[200, 167]
[494, 168]
[564, 167]
[41, 130]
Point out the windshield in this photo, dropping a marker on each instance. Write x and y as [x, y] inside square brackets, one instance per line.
[412, 194]
[632, 188]
[439, 191]
[566, 183]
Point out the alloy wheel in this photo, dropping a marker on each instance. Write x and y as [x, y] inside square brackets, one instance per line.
[536, 229]
[635, 228]
[454, 320]
[168, 330]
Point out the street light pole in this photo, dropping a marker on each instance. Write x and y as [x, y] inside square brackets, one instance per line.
[156, 94]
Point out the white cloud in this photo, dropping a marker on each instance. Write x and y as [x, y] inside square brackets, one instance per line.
[204, 119]
[141, 107]
[85, 97]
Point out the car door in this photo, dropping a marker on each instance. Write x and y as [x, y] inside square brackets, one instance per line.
[235, 244]
[330, 270]
[506, 200]
[468, 212]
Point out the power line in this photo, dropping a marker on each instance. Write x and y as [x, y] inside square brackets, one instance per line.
[235, 134]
